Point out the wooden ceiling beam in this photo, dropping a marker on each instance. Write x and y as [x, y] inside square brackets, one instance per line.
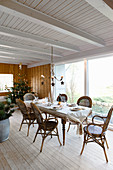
[34, 38]
[26, 54]
[38, 64]
[17, 9]
[29, 48]
[13, 61]
[17, 57]
[102, 7]
[94, 53]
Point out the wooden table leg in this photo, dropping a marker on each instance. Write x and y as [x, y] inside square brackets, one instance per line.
[63, 129]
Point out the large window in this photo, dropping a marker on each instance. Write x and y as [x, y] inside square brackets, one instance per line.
[74, 81]
[6, 80]
[101, 84]
[98, 83]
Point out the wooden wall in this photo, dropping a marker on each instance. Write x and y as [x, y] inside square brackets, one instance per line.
[34, 77]
[12, 69]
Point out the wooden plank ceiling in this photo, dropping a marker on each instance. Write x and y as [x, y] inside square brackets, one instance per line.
[76, 29]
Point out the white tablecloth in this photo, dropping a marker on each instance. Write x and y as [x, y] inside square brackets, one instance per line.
[74, 116]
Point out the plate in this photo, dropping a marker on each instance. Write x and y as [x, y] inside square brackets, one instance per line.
[77, 109]
[71, 105]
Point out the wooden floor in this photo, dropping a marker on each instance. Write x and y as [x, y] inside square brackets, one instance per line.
[18, 152]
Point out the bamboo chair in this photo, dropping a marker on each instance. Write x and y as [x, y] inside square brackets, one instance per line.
[46, 127]
[28, 117]
[96, 132]
[85, 101]
[29, 96]
[64, 98]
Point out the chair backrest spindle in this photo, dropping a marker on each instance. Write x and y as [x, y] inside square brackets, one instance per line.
[106, 122]
[37, 113]
[22, 106]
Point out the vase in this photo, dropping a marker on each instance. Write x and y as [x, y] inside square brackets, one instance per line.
[4, 130]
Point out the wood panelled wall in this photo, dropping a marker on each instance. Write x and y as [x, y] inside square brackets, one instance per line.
[12, 69]
[34, 77]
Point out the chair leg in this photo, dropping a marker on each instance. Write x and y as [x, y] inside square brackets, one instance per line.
[36, 134]
[42, 144]
[68, 127]
[28, 128]
[58, 137]
[21, 125]
[106, 142]
[105, 154]
[83, 144]
[102, 145]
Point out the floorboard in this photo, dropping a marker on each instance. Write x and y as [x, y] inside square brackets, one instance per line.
[19, 152]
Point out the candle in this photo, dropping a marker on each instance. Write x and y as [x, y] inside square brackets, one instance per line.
[42, 76]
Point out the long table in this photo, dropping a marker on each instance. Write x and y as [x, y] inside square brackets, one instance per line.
[65, 114]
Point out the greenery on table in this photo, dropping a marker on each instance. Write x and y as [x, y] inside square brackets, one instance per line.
[6, 109]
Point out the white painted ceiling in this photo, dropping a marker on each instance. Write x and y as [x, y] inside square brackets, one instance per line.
[76, 29]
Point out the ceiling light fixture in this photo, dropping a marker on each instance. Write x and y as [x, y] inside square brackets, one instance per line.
[53, 77]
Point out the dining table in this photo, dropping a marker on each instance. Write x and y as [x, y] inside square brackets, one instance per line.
[66, 113]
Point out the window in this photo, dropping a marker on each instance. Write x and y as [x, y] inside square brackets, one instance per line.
[74, 81]
[6, 80]
[101, 84]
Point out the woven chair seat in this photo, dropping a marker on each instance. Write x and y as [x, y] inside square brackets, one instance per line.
[49, 125]
[94, 130]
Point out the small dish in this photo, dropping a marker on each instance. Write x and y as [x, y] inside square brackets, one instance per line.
[77, 109]
[71, 105]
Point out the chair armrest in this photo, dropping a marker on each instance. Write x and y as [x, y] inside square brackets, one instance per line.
[101, 117]
[95, 124]
[51, 119]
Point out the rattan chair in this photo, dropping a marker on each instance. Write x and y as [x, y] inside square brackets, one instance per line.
[96, 132]
[29, 96]
[64, 98]
[85, 101]
[46, 127]
[28, 117]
